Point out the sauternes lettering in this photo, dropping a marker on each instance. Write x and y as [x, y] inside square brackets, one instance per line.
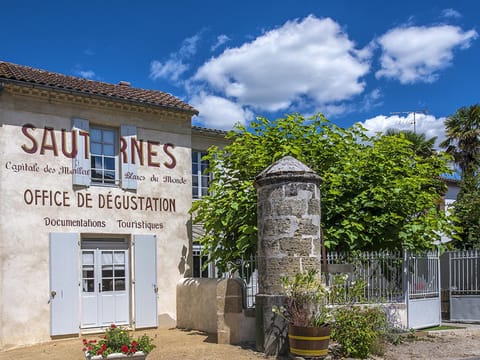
[48, 141]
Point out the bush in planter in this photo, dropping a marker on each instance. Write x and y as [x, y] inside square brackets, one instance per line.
[358, 329]
[306, 302]
[307, 312]
[117, 340]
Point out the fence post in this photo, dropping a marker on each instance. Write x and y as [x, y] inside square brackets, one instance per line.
[405, 279]
[288, 241]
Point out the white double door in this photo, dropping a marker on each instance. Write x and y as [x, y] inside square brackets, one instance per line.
[105, 283]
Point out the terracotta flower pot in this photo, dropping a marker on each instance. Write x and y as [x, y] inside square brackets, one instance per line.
[309, 341]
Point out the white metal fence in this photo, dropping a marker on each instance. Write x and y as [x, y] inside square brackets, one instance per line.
[381, 272]
[465, 272]
[423, 276]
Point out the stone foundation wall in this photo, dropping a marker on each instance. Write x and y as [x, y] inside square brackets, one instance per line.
[215, 306]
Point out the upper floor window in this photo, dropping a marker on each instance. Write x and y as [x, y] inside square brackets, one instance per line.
[200, 179]
[103, 145]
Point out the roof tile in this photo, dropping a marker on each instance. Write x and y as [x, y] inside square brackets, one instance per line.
[19, 73]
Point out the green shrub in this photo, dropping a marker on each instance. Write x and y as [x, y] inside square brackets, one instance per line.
[359, 330]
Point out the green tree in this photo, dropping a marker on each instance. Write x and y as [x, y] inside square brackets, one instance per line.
[467, 214]
[463, 142]
[377, 193]
[463, 138]
[419, 143]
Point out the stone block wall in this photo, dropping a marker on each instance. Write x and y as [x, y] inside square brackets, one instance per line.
[215, 306]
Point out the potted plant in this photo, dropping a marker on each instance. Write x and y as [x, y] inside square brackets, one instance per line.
[308, 314]
[117, 343]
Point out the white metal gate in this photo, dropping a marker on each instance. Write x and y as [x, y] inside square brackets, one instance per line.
[423, 290]
[464, 285]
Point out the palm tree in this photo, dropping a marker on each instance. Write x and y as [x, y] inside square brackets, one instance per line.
[463, 139]
[419, 143]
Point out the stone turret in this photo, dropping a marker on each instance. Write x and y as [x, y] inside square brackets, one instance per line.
[288, 240]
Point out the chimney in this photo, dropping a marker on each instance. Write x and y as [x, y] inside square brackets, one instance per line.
[124, 83]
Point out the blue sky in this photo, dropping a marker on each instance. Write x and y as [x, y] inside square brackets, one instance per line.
[375, 62]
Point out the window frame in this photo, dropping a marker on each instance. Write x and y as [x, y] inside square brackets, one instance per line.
[200, 175]
[114, 157]
[198, 262]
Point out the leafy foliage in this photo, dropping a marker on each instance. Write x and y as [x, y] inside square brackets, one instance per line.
[467, 214]
[117, 340]
[377, 193]
[357, 329]
[418, 142]
[306, 301]
[309, 302]
[463, 142]
[463, 138]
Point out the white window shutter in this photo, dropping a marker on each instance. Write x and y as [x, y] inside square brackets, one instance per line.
[128, 167]
[64, 277]
[81, 162]
[145, 267]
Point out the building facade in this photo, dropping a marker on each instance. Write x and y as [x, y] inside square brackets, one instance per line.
[96, 187]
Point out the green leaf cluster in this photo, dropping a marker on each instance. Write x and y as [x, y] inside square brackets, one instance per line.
[467, 214]
[377, 192]
[357, 329]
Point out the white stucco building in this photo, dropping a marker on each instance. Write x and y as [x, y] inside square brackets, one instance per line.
[96, 184]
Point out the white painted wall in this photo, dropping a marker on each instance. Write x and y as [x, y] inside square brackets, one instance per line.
[25, 229]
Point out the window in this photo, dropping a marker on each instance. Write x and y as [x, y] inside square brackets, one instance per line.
[200, 179]
[198, 263]
[103, 145]
[98, 162]
[88, 265]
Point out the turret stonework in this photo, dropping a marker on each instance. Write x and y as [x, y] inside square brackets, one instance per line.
[289, 240]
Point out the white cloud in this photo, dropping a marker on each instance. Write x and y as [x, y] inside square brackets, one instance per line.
[426, 124]
[219, 113]
[87, 74]
[451, 13]
[308, 61]
[221, 39]
[416, 54]
[189, 46]
[371, 100]
[173, 68]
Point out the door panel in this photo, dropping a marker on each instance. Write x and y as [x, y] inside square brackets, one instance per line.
[64, 294]
[105, 296]
[145, 281]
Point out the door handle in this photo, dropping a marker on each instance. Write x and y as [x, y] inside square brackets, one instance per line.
[99, 287]
[52, 295]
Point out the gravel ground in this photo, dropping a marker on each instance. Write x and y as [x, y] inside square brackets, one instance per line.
[176, 344]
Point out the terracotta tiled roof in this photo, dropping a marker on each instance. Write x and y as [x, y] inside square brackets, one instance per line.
[200, 129]
[122, 91]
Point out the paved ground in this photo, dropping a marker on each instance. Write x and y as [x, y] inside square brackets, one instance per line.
[176, 344]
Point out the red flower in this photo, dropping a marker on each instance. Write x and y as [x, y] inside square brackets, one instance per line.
[104, 346]
[99, 352]
[84, 341]
[134, 343]
[84, 349]
[124, 349]
[113, 326]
